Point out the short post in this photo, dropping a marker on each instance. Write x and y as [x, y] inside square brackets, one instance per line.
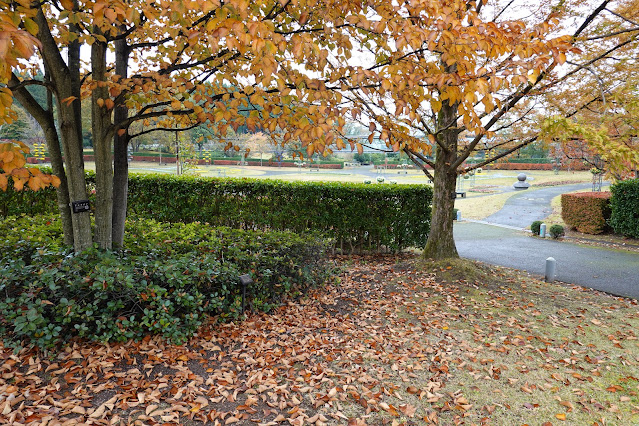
[551, 264]
[458, 214]
[244, 280]
[542, 230]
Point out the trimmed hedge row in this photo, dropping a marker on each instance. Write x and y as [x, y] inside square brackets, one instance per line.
[625, 208]
[588, 212]
[534, 166]
[167, 282]
[357, 216]
[14, 203]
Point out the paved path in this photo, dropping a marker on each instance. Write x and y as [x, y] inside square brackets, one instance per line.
[504, 242]
[529, 205]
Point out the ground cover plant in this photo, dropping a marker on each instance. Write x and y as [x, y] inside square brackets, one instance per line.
[168, 282]
[394, 341]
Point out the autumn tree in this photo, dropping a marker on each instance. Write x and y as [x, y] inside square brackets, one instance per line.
[181, 64]
[594, 117]
[448, 78]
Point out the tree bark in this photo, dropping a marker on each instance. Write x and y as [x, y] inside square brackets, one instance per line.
[102, 136]
[120, 145]
[46, 121]
[441, 243]
[71, 139]
[73, 52]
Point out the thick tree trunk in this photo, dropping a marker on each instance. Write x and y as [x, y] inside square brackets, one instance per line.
[70, 136]
[76, 184]
[102, 136]
[62, 191]
[45, 120]
[441, 243]
[120, 145]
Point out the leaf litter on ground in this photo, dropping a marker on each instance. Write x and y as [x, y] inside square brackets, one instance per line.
[395, 340]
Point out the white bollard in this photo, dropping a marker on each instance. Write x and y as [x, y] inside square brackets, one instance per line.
[551, 265]
[542, 230]
[458, 214]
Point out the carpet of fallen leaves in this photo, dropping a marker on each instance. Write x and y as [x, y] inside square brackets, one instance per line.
[388, 343]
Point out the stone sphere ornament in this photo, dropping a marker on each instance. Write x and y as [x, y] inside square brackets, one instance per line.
[521, 182]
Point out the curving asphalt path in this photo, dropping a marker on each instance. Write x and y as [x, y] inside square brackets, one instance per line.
[529, 205]
[501, 239]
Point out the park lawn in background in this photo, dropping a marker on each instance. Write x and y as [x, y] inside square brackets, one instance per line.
[478, 207]
[499, 178]
[393, 341]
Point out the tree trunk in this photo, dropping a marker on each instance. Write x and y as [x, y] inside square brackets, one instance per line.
[120, 145]
[47, 123]
[441, 243]
[71, 141]
[70, 136]
[73, 52]
[102, 136]
[62, 191]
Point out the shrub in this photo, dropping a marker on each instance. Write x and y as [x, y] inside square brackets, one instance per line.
[624, 218]
[27, 201]
[535, 227]
[586, 212]
[556, 231]
[356, 217]
[168, 283]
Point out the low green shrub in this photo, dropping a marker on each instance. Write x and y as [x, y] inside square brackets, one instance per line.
[27, 201]
[535, 227]
[356, 217]
[624, 203]
[172, 277]
[556, 231]
[587, 212]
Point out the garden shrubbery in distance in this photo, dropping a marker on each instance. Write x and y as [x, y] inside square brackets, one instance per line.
[556, 231]
[624, 218]
[168, 281]
[535, 227]
[587, 212]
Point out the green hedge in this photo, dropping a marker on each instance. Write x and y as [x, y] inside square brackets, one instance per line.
[168, 282]
[587, 212]
[625, 208]
[14, 203]
[356, 216]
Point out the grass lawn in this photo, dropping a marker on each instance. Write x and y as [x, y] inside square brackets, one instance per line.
[393, 341]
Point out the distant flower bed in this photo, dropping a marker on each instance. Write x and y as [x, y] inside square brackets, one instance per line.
[484, 189]
[557, 183]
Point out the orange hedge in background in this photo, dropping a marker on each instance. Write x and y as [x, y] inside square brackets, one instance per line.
[587, 212]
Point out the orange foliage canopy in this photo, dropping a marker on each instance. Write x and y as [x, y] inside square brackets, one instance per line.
[12, 164]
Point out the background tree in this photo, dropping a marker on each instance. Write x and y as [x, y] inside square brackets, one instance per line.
[596, 114]
[18, 128]
[460, 74]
